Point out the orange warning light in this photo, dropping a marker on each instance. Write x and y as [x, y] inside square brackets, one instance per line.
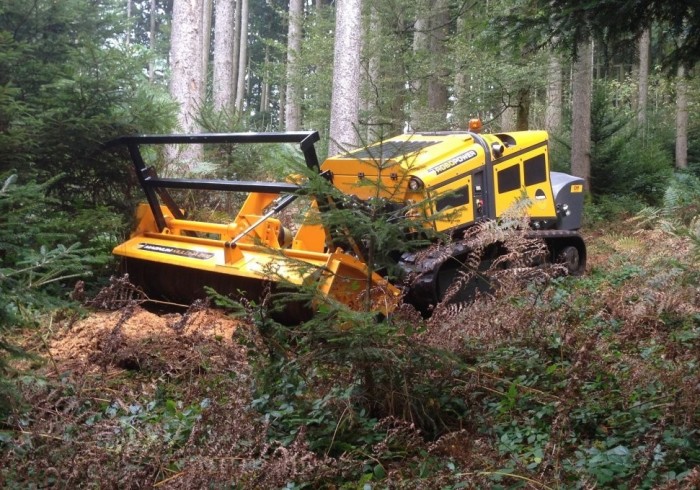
[475, 125]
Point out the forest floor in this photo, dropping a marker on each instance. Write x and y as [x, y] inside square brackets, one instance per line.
[587, 382]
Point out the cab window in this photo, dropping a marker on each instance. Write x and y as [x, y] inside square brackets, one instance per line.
[509, 179]
[535, 170]
[460, 197]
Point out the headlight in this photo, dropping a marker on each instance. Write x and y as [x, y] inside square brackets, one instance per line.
[414, 183]
[497, 149]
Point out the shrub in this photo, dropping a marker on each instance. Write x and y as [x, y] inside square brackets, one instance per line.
[39, 258]
[623, 161]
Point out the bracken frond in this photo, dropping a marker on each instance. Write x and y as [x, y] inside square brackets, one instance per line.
[120, 293]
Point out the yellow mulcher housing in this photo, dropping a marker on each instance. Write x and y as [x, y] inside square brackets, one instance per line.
[451, 180]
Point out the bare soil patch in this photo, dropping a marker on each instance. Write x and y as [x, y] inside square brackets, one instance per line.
[126, 337]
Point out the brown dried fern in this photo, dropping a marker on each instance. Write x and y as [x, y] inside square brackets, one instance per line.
[120, 293]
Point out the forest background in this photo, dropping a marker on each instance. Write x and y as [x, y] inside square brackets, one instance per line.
[615, 85]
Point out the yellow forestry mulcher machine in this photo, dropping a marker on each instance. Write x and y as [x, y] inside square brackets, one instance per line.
[445, 181]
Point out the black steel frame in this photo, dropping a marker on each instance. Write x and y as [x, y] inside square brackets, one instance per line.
[154, 186]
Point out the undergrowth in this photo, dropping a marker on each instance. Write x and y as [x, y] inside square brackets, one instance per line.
[552, 381]
[547, 382]
[40, 261]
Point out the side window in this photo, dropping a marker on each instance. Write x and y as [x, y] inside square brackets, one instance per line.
[460, 197]
[535, 170]
[509, 179]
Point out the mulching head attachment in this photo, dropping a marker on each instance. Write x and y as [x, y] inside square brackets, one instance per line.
[174, 259]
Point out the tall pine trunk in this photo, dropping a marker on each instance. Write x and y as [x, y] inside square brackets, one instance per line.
[430, 98]
[206, 42]
[681, 119]
[223, 81]
[236, 46]
[152, 40]
[437, 90]
[346, 76]
[644, 43]
[242, 56]
[187, 79]
[393, 93]
[581, 112]
[370, 96]
[129, 23]
[421, 44]
[460, 108]
[265, 84]
[293, 106]
[553, 109]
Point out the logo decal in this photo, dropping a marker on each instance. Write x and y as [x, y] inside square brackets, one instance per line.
[180, 252]
[459, 159]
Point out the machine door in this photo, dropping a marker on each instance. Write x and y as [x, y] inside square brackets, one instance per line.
[526, 176]
[538, 186]
[454, 206]
[509, 184]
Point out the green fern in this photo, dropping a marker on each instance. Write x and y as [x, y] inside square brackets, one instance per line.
[625, 243]
[694, 235]
[680, 212]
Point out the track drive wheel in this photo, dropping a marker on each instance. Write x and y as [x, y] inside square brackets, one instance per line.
[570, 258]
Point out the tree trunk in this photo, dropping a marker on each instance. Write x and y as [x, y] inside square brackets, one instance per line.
[522, 121]
[581, 113]
[265, 84]
[392, 106]
[187, 79]
[553, 109]
[242, 57]
[437, 90]
[508, 118]
[681, 119]
[129, 26]
[430, 98]
[152, 41]
[206, 42]
[370, 95]
[460, 109]
[236, 46]
[293, 107]
[223, 56]
[346, 76]
[283, 103]
[644, 43]
[421, 44]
